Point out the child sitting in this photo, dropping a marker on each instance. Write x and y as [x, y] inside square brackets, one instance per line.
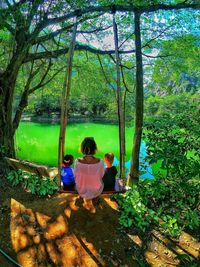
[110, 172]
[67, 175]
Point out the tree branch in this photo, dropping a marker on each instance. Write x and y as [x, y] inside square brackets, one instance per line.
[104, 74]
[95, 30]
[124, 82]
[24, 97]
[42, 79]
[120, 8]
[163, 31]
[27, 91]
[35, 5]
[42, 25]
[51, 35]
[126, 39]
[15, 4]
[80, 47]
[121, 65]
[161, 56]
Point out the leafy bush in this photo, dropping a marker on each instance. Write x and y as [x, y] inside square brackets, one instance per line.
[170, 104]
[15, 177]
[46, 186]
[37, 185]
[174, 140]
[177, 198]
[133, 211]
[171, 200]
[47, 104]
[167, 203]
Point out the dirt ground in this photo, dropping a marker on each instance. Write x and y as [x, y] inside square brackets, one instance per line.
[59, 231]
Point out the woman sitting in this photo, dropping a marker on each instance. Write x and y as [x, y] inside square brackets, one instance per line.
[88, 172]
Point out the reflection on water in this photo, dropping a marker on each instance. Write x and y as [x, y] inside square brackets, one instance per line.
[145, 168]
[38, 142]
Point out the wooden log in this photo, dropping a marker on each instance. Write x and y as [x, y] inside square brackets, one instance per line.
[39, 170]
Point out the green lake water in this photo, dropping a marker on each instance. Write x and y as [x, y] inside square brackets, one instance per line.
[38, 142]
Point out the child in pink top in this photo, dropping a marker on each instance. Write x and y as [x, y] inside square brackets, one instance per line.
[88, 173]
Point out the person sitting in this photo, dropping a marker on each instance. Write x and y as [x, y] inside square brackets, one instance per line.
[67, 175]
[111, 183]
[89, 171]
[109, 178]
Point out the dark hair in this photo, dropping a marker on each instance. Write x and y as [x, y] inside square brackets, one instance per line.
[68, 160]
[88, 146]
[109, 156]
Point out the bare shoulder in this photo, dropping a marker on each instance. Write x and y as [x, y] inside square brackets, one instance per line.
[86, 161]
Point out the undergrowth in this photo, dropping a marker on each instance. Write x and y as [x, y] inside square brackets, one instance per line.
[166, 203]
[171, 200]
[36, 185]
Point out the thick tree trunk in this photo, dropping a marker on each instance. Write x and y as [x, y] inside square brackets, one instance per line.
[7, 147]
[134, 169]
[7, 87]
[22, 105]
[119, 105]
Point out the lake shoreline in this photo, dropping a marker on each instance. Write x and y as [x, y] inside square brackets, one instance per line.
[56, 120]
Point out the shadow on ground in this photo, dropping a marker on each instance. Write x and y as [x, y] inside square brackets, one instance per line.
[60, 232]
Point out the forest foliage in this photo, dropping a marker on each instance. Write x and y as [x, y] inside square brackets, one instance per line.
[171, 201]
[92, 95]
[170, 52]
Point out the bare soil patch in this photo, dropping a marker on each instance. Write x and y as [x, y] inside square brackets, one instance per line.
[59, 231]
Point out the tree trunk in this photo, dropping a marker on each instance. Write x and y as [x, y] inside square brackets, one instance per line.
[22, 105]
[64, 102]
[7, 146]
[119, 105]
[134, 169]
[7, 87]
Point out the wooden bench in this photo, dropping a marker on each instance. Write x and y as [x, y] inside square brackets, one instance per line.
[39, 170]
[42, 170]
